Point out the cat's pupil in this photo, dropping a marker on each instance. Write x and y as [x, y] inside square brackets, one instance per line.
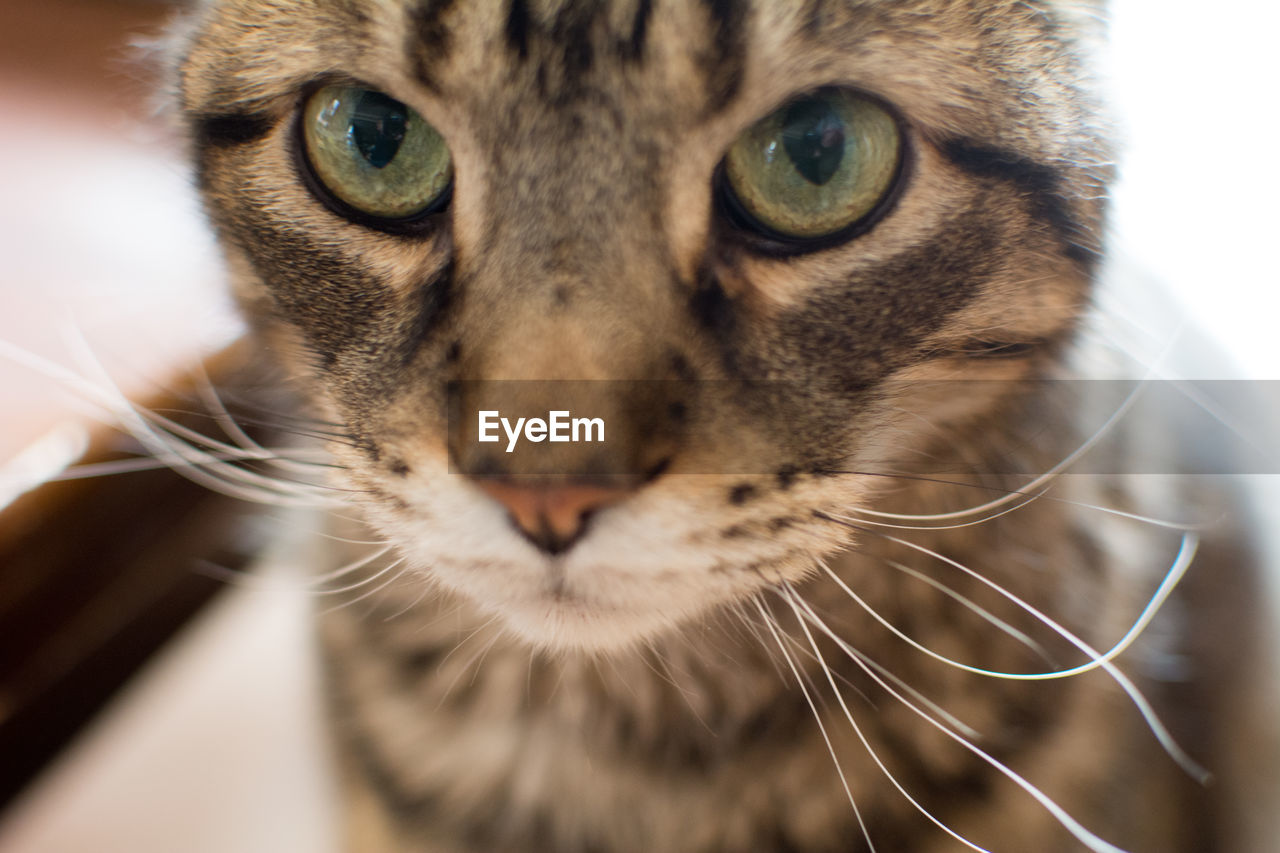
[378, 125]
[813, 136]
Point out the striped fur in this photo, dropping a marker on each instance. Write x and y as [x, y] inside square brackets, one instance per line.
[615, 698]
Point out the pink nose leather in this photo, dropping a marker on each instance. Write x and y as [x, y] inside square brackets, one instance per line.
[551, 516]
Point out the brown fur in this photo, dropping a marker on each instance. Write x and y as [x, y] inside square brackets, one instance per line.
[622, 703]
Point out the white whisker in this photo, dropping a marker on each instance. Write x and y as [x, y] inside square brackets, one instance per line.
[256, 454]
[1042, 495]
[426, 589]
[481, 627]
[981, 611]
[1089, 839]
[253, 580]
[1030, 498]
[951, 719]
[444, 697]
[769, 623]
[363, 581]
[129, 466]
[790, 597]
[374, 591]
[193, 463]
[354, 565]
[213, 401]
[751, 626]
[187, 442]
[1046, 479]
[1158, 729]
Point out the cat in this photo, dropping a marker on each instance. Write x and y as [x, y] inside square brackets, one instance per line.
[806, 263]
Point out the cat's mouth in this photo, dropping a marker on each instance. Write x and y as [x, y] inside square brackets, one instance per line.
[598, 570]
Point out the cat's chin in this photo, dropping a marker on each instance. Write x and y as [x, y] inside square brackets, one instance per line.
[566, 619]
[565, 626]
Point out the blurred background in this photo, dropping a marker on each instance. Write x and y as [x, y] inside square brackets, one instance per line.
[102, 248]
[215, 747]
[98, 227]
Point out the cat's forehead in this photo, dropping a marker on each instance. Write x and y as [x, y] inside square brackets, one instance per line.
[944, 61]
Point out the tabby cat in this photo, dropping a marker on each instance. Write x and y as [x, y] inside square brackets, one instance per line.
[803, 261]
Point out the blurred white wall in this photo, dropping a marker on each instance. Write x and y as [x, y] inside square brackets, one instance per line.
[1195, 90]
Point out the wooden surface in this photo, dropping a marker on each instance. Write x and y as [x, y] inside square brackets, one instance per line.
[94, 576]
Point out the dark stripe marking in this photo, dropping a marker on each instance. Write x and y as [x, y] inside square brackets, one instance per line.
[1040, 183]
[404, 807]
[571, 30]
[517, 28]
[710, 305]
[724, 67]
[229, 130]
[634, 50]
[430, 40]
[814, 15]
[435, 295]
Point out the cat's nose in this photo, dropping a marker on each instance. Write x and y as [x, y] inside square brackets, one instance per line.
[551, 514]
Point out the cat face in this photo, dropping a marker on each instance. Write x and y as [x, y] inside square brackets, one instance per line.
[747, 229]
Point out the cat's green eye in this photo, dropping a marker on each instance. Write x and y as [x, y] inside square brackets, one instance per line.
[374, 154]
[816, 167]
